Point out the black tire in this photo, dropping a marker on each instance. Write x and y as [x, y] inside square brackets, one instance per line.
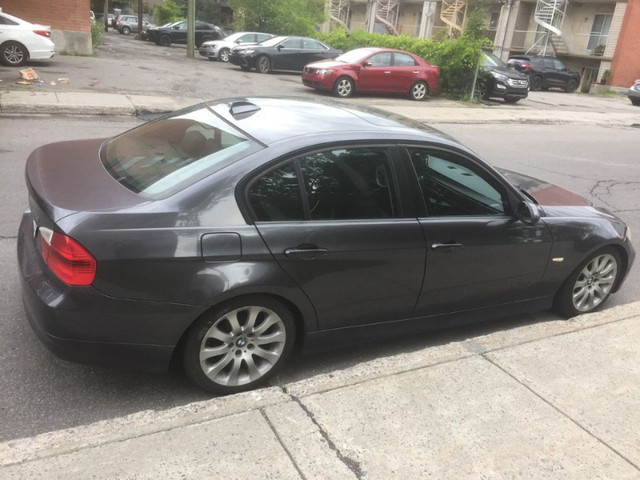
[165, 40]
[126, 30]
[238, 353]
[13, 54]
[263, 64]
[343, 87]
[589, 282]
[483, 91]
[571, 86]
[635, 101]
[536, 83]
[419, 91]
[511, 99]
[223, 55]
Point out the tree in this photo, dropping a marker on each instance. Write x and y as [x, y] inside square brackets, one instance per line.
[168, 11]
[284, 17]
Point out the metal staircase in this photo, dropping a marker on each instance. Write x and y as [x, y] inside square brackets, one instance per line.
[549, 15]
[453, 13]
[339, 13]
[387, 12]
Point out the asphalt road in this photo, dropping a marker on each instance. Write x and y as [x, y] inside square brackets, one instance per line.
[42, 393]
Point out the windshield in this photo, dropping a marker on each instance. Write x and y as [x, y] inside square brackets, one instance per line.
[492, 61]
[272, 41]
[160, 155]
[354, 55]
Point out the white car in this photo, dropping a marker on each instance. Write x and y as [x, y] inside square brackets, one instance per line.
[219, 49]
[21, 41]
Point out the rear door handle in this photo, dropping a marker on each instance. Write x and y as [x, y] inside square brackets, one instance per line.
[446, 245]
[306, 253]
[387, 72]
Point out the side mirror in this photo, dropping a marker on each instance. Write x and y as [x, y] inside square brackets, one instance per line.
[366, 64]
[238, 41]
[528, 213]
[280, 47]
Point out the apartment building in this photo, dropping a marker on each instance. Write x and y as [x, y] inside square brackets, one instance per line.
[587, 35]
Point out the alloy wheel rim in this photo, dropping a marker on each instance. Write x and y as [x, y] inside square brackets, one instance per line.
[13, 54]
[344, 88]
[419, 91]
[224, 55]
[594, 282]
[263, 64]
[242, 346]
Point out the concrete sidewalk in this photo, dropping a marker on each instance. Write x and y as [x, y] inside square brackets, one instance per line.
[432, 111]
[552, 400]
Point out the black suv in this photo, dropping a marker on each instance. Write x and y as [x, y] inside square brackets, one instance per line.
[546, 72]
[177, 33]
[496, 79]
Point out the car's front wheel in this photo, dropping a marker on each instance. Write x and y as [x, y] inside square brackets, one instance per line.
[482, 90]
[343, 87]
[536, 83]
[13, 54]
[126, 30]
[240, 345]
[590, 284]
[571, 86]
[635, 101]
[263, 64]
[165, 40]
[224, 55]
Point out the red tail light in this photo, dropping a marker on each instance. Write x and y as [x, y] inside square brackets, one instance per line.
[44, 33]
[66, 258]
[526, 67]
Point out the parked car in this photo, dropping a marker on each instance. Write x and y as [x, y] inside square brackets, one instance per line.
[177, 33]
[634, 92]
[21, 41]
[282, 53]
[545, 72]
[240, 227]
[379, 70]
[496, 79]
[220, 49]
[126, 24]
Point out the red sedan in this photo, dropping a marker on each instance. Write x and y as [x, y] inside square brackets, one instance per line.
[379, 70]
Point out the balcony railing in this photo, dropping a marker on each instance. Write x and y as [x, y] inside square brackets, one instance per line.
[525, 39]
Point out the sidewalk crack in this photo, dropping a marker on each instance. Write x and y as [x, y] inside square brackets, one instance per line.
[561, 412]
[282, 444]
[351, 464]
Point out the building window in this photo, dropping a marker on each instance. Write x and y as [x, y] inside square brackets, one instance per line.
[599, 32]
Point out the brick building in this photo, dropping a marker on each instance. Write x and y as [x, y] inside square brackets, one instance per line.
[68, 19]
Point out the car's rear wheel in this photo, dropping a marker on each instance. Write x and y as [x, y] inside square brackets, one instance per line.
[126, 30]
[224, 55]
[635, 101]
[590, 284]
[13, 54]
[239, 345]
[343, 87]
[165, 40]
[419, 91]
[536, 83]
[571, 86]
[263, 64]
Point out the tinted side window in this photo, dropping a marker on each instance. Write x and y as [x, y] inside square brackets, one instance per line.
[6, 21]
[558, 64]
[451, 185]
[276, 196]
[380, 59]
[349, 183]
[308, 44]
[403, 60]
[262, 37]
[548, 62]
[291, 43]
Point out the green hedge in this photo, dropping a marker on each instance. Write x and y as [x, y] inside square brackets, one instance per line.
[97, 33]
[457, 59]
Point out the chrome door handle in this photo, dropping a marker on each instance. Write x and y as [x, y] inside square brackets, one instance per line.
[387, 72]
[416, 71]
[446, 245]
[305, 253]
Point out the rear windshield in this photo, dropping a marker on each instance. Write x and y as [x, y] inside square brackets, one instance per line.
[160, 156]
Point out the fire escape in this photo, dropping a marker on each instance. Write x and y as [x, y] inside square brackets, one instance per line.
[549, 15]
[387, 13]
[453, 14]
[339, 12]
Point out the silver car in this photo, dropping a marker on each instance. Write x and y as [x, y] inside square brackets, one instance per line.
[220, 49]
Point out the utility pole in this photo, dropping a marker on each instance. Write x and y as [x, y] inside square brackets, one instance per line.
[106, 15]
[139, 18]
[191, 27]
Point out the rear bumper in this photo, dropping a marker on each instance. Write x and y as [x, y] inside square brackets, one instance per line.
[83, 325]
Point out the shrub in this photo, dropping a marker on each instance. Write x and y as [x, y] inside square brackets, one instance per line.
[457, 59]
[97, 33]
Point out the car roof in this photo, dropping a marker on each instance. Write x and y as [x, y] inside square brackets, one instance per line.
[275, 119]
